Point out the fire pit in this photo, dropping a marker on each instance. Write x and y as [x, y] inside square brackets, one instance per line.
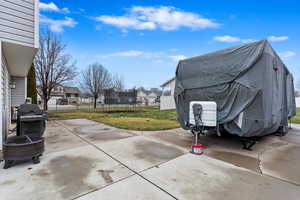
[28, 144]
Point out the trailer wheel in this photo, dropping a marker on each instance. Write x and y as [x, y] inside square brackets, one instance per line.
[282, 131]
[223, 131]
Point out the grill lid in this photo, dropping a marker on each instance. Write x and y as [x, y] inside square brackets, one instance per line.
[31, 121]
[29, 109]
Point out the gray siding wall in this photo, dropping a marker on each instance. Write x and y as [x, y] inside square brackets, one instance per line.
[17, 21]
[4, 96]
[18, 94]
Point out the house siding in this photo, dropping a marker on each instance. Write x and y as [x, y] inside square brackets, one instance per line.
[19, 30]
[4, 96]
[1, 97]
[167, 102]
[19, 93]
[17, 22]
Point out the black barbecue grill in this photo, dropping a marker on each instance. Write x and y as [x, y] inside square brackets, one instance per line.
[28, 144]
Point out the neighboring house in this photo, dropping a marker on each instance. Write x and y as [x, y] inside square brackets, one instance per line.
[88, 98]
[63, 92]
[297, 98]
[297, 101]
[57, 93]
[72, 94]
[19, 41]
[297, 93]
[112, 96]
[152, 96]
[167, 101]
[141, 95]
[148, 96]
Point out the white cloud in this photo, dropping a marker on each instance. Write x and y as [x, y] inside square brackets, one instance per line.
[230, 39]
[226, 38]
[126, 22]
[58, 25]
[166, 18]
[48, 7]
[81, 10]
[158, 61]
[52, 7]
[248, 40]
[177, 58]
[130, 53]
[286, 54]
[65, 10]
[157, 54]
[157, 57]
[273, 38]
[173, 49]
[135, 53]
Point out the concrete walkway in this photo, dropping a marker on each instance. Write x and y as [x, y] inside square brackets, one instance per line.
[87, 160]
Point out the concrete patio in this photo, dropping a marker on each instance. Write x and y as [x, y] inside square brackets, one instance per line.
[87, 160]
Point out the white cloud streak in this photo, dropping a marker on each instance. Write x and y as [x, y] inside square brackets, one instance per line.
[286, 54]
[231, 39]
[158, 56]
[130, 53]
[273, 38]
[227, 38]
[58, 25]
[247, 40]
[177, 58]
[135, 53]
[52, 7]
[166, 18]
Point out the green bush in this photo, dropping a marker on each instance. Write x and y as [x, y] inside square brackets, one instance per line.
[31, 85]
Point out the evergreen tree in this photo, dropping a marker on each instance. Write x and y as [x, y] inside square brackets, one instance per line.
[31, 85]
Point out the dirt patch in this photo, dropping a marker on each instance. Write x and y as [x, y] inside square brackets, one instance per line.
[79, 122]
[155, 152]
[277, 144]
[56, 138]
[185, 142]
[8, 182]
[69, 174]
[94, 129]
[106, 175]
[109, 136]
[41, 173]
[236, 159]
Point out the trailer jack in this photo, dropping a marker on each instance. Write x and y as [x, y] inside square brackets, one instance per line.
[248, 143]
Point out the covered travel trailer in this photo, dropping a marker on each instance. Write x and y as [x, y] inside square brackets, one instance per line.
[252, 88]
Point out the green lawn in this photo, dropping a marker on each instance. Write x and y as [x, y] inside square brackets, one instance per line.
[84, 104]
[142, 118]
[296, 119]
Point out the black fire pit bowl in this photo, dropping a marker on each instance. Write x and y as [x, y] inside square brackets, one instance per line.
[22, 148]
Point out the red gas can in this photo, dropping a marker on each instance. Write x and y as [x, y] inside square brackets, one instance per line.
[197, 149]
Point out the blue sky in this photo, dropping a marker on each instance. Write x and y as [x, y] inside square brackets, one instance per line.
[143, 40]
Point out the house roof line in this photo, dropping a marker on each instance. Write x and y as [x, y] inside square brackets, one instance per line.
[167, 82]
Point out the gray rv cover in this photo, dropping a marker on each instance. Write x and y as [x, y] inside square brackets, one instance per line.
[253, 89]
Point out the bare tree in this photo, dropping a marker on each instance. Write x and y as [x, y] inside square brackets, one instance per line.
[53, 67]
[118, 82]
[96, 78]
